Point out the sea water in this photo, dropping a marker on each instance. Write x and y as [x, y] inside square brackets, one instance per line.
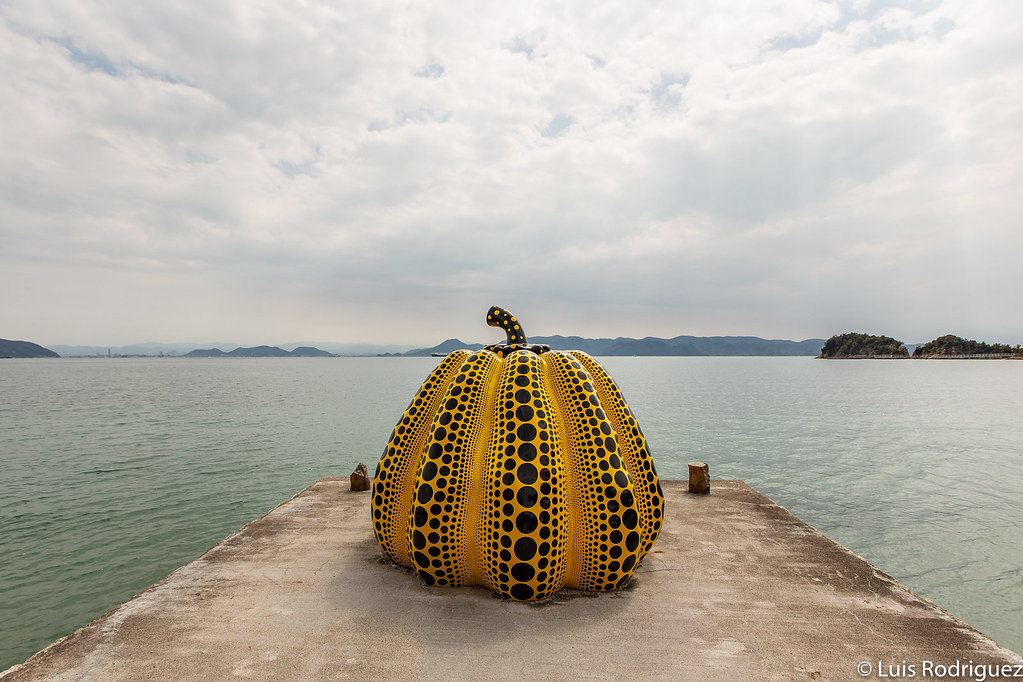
[114, 472]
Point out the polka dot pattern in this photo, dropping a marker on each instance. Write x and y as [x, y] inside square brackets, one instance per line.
[521, 470]
[499, 317]
[634, 452]
[523, 529]
[604, 498]
[440, 532]
[394, 478]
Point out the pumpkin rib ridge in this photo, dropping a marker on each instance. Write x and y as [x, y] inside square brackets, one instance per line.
[524, 549]
[488, 469]
[417, 451]
[394, 481]
[635, 453]
[571, 492]
[478, 467]
[607, 500]
[443, 485]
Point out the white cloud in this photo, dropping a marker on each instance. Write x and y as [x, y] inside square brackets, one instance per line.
[786, 169]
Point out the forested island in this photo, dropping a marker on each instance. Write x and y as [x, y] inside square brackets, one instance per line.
[24, 349]
[949, 346]
[857, 345]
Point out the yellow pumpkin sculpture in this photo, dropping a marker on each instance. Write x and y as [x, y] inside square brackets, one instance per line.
[518, 468]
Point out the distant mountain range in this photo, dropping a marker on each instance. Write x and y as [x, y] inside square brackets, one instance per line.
[653, 346]
[260, 352]
[648, 346]
[181, 349]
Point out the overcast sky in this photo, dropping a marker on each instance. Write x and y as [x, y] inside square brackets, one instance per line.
[380, 171]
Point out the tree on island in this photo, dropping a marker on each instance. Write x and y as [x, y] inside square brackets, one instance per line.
[950, 345]
[855, 345]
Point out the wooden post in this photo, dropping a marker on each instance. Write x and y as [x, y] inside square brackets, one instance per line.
[699, 478]
[360, 478]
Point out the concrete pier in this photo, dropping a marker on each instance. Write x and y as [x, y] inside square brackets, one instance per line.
[735, 588]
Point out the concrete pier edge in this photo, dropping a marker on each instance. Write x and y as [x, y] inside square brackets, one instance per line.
[736, 586]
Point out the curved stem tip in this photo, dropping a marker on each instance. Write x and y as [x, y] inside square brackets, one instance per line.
[499, 317]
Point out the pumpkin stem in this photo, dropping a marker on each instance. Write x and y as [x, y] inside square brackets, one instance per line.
[499, 317]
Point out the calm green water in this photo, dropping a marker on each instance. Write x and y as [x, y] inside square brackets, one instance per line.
[115, 472]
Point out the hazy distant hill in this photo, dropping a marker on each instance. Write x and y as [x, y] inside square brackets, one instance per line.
[152, 348]
[182, 349]
[205, 353]
[310, 352]
[444, 347]
[352, 349]
[24, 349]
[652, 346]
[260, 352]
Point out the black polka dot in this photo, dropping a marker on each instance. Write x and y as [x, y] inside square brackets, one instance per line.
[425, 493]
[522, 592]
[630, 518]
[526, 522]
[526, 431]
[525, 549]
[527, 496]
[523, 572]
[527, 452]
[527, 473]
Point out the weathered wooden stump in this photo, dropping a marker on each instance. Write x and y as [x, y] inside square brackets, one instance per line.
[360, 478]
[699, 478]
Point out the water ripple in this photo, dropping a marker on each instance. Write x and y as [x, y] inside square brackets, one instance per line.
[117, 472]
